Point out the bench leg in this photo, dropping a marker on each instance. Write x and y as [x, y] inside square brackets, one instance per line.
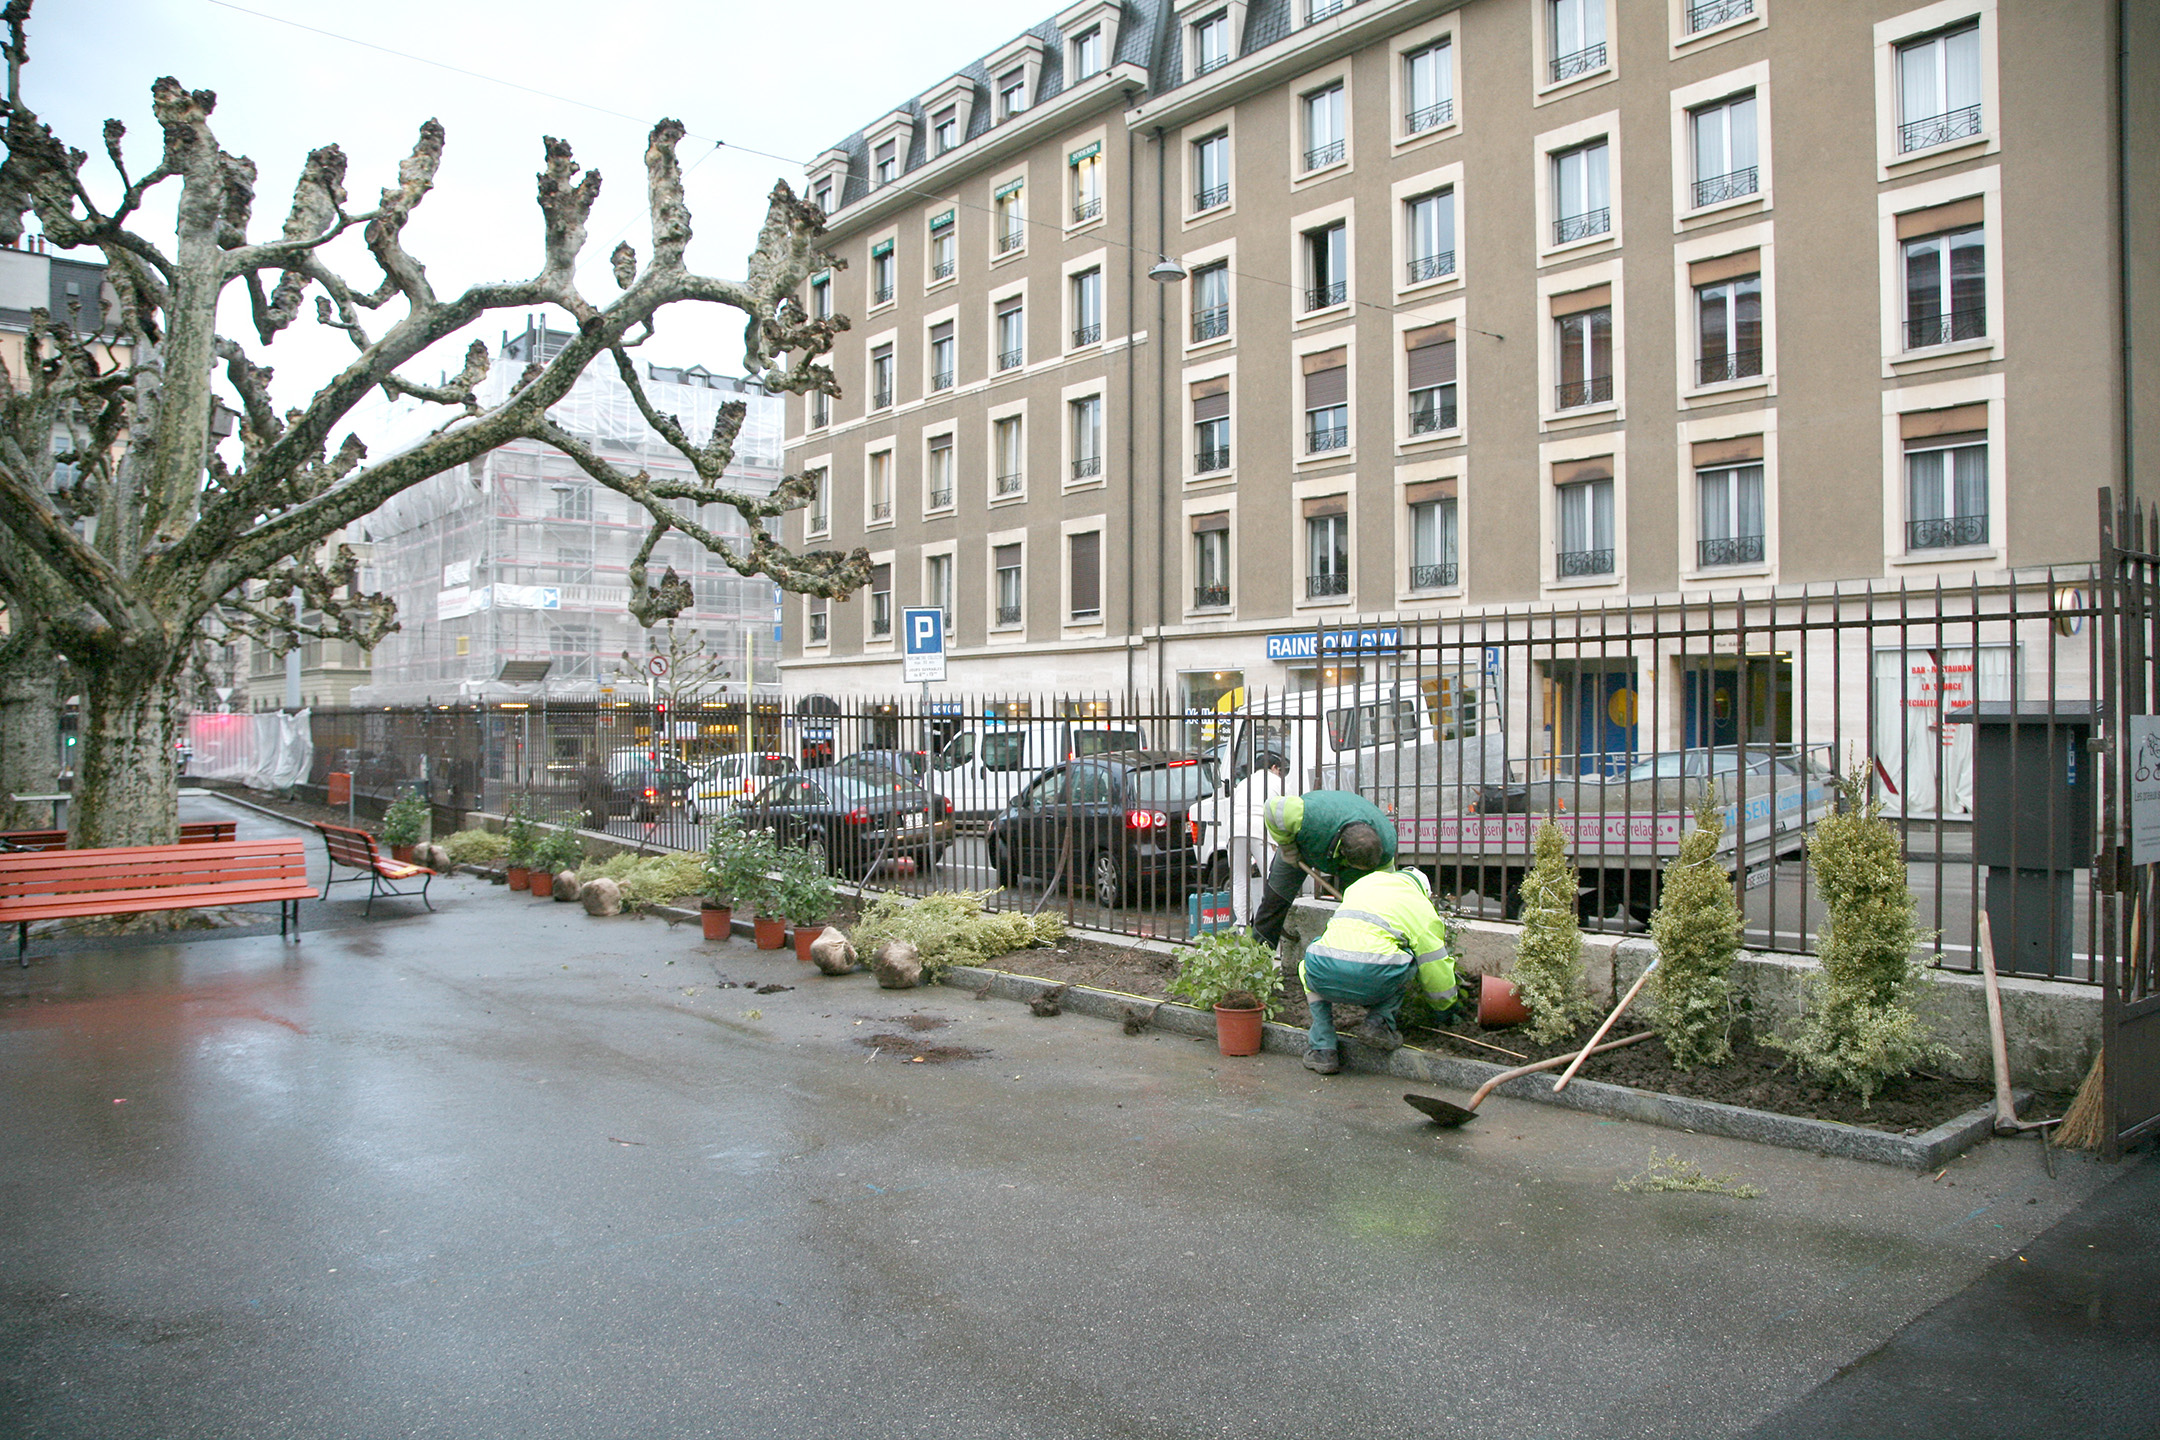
[22, 944]
[423, 893]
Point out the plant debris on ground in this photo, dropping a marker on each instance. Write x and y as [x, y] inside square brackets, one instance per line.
[1671, 1173]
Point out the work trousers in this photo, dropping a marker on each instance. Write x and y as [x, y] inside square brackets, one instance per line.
[1379, 988]
[1285, 878]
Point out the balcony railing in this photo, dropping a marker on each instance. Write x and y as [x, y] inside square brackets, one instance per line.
[1087, 335]
[881, 398]
[1320, 10]
[1210, 596]
[1327, 437]
[1597, 390]
[941, 380]
[1580, 62]
[1337, 584]
[1432, 411]
[1585, 562]
[1729, 550]
[1432, 267]
[1570, 228]
[1211, 458]
[880, 510]
[1939, 129]
[1211, 324]
[1011, 359]
[1012, 239]
[1086, 465]
[1735, 365]
[1705, 14]
[941, 499]
[1326, 154]
[1087, 210]
[1209, 198]
[818, 523]
[1007, 485]
[1732, 185]
[944, 269]
[1432, 117]
[1946, 329]
[1947, 532]
[1319, 297]
[880, 626]
[820, 411]
[1211, 62]
[1008, 615]
[882, 295]
[1433, 577]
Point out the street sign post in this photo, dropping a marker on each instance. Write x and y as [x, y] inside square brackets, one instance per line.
[923, 645]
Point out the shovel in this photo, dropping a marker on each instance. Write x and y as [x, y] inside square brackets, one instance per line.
[1450, 1115]
[2006, 1116]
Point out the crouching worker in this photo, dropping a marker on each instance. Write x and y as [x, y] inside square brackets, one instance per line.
[1335, 834]
[1385, 937]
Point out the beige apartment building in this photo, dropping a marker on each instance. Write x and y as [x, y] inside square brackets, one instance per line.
[1179, 327]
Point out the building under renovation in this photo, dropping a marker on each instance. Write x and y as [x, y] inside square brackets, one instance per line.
[519, 559]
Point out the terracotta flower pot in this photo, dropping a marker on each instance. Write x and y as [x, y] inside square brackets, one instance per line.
[1498, 1004]
[1237, 1032]
[520, 877]
[771, 932]
[717, 920]
[401, 853]
[541, 883]
[805, 937]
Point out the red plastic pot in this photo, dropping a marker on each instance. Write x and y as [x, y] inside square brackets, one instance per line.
[1237, 1032]
[771, 932]
[717, 920]
[541, 883]
[401, 853]
[805, 937]
[1498, 1004]
[520, 877]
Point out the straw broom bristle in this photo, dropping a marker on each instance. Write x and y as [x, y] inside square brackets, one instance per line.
[2084, 1124]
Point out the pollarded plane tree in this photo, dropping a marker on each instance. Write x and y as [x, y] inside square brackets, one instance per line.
[155, 529]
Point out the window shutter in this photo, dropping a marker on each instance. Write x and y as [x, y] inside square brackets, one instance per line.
[880, 578]
[1933, 425]
[1597, 297]
[1087, 572]
[1429, 491]
[1327, 379]
[941, 332]
[1005, 557]
[1432, 358]
[1725, 267]
[1217, 520]
[1008, 306]
[1211, 399]
[1568, 472]
[1740, 450]
[1322, 505]
[1937, 219]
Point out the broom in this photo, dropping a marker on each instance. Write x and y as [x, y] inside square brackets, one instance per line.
[2084, 1124]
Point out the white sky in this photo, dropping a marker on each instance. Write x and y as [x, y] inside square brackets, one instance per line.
[788, 79]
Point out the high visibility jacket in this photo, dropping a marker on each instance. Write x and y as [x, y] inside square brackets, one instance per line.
[1309, 826]
[1385, 931]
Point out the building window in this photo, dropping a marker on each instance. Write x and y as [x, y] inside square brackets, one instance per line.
[880, 487]
[1087, 308]
[1324, 136]
[1011, 458]
[1725, 167]
[1211, 425]
[1083, 558]
[1327, 547]
[1008, 221]
[820, 517]
[820, 409]
[1729, 511]
[880, 602]
[1011, 334]
[1429, 236]
[1318, 10]
[944, 247]
[1946, 484]
[1327, 266]
[1728, 330]
[1430, 364]
[1585, 508]
[1087, 436]
[887, 162]
[941, 355]
[822, 197]
[1939, 88]
[1005, 559]
[1582, 203]
[1576, 34]
[937, 585]
[1087, 53]
[1087, 184]
[939, 474]
[821, 298]
[1946, 287]
[1432, 539]
[1211, 302]
[1012, 94]
[573, 501]
[1211, 42]
[1429, 82]
[1709, 14]
[881, 377]
[1327, 401]
[1211, 171]
[820, 617]
[1582, 344]
[881, 273]
[1211, 560]
[944, 130]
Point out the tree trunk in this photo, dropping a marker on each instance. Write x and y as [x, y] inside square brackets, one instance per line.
[29, 729]
[127, 791]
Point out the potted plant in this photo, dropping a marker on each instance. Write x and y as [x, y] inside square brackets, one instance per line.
[524, 838]
[807, 895]
[403, 823]
[559, 850]
[723, 877]
[1239, 979]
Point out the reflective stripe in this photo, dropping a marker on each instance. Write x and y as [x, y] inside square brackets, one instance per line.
[1431, 955]
[1360, 957]
[1377, 922]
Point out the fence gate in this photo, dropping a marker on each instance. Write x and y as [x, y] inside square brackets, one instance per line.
[2128, 971]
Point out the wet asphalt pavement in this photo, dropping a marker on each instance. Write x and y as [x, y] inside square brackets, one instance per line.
[510, 1171]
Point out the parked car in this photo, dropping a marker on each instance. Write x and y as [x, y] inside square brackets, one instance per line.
[726, 780]
[1128, 823]
[983, 770]
[651, 792]
[858, 820]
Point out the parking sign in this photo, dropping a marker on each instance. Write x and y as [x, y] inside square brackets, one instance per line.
[922, 635]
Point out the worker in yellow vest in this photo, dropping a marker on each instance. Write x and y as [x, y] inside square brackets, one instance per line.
[1385, 936]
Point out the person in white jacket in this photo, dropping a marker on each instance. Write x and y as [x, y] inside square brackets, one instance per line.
[1250, 849]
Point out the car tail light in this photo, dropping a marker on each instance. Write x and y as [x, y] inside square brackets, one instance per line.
[947, 801]
[857, 817]
[1146, 820]
[651, 794]
[1192, 831]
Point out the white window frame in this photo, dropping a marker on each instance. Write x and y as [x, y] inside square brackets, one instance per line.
[1986, 184]
[1224, 368]
[1343, 338]
[1344, 213]
[1554, 453]
[1071, 397]
[1451, 311]
[930, 446]
[1015, 411]
[949, 552]
[1401, 106]
[872, 642]
[1986, 389]
[1302, 597]
[1760, 238]
[1208, 133]
[1557, 142]
[996, 369]
[1301, 94]
[950, 235]
[883, 448]
[1454, 467]
[1400, 194]
[1096, 169]
[1000, 632]
[1550, 417]
[1892, 161]
[1095, 262]
[1209, 505]
[1544, 89]
[1097, 623]
[1732, 425]
[1002, 223]
[1686, 100]
[818, 465]
[891, 259]
[1753, 17]
[1224, 254]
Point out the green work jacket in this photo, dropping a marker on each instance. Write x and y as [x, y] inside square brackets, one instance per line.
[1306, 828]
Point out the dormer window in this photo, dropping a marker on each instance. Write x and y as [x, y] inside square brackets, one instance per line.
[1012, 94]
[950, 107]
[1211, 42]
[944, 131]
[828, 179]
[1087, 55]
[822, 196]
[886, 164]
[1090, 29]
[1017, 74]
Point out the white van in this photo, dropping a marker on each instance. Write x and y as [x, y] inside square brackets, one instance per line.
[981, 770]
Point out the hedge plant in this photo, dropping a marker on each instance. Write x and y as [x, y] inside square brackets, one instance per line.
[1549, 976]
[1697, 931]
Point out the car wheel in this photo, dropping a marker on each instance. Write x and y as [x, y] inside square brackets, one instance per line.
[1008, 873]
[1109, 880]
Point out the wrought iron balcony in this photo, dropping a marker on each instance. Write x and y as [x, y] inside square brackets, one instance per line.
[1597, 390]
[1206, 597]
[1007, 485]
[1947, 532]
[1326, 154]
[1209, 198]
[941, 499]
[1211, 62]
[1211, 458]
[1959, 124]
[1946, 329]
[1734, 365]
[1584, 562]
[1432, 410]
[1211, 324]
[818, 523]
[1011, 359]
[1570, 228]
[1730, 550]
[1320, 10]
[1011, 240]
[1336, 584]
[881, 398]
[1433, 577]
[1432, 117]
[1087, 210]
[1580, 62]
[1319, 297]
[880, 625]
[944, 269]
[1432, 267]
[1008, 614]
[880, 510]
[1732, 185]
[942, 380]
[1086, 335]
[1327, 437]
[882, 295]
[1705, 14]
[1086, 465]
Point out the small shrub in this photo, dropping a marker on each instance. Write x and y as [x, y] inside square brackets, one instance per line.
[523, 837]
[477, 847]
[1227, 967]
[648, 879]
[1697, 931]
[1549, 973]
[405, 819]
[952, 929]
[803, 892]
[559, 850]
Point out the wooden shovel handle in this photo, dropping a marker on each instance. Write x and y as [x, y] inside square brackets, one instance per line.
[1625, 1001]
[1558, 1060]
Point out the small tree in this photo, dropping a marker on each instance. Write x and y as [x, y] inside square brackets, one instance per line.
[1697, 930]
[1548, 958]
[1860, 1027]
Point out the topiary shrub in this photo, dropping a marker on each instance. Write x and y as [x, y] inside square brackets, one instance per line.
[1549, 975]
[952, 929]
[1859, 1026]
[1697, 931]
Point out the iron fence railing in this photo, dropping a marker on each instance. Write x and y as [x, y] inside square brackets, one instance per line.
[1729, 550]
[1570, 228]
[1211, 324]
[1431, 117]
[1732, 365]
[1946, 329]
[1431, 267]
[1320, 155]
[1931, 130]
[1733, 185]
[1570, 394]
[1578, 62]
[1706, 14]
[1211, 197]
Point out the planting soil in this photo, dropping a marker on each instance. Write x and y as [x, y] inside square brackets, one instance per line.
[909, 1046]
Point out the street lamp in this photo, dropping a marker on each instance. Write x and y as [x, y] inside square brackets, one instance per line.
[1166, 271]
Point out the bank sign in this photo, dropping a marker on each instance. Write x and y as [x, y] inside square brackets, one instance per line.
[1300, 644]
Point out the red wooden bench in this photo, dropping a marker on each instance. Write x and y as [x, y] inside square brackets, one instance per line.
[135, 879]
[192, 832]
[355, 850]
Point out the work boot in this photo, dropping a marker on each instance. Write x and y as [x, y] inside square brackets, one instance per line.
[1324, 1062]
[1380, 1035]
